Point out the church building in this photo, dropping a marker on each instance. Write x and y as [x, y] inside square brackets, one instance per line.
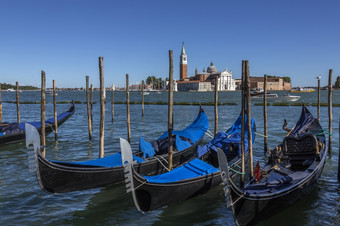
[203, 81]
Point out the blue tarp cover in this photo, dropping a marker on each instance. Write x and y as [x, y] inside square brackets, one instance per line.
[47, 122]
[194, 132]
[20, 127]
[109, 161]
[223, 140]
[192, 169]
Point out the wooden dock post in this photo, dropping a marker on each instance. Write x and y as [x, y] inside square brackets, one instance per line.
[91, 103]
[216, 103]
[330, 114]
[265, 144]
[243, 125]
[17, 94]
[0, 106]
[142, 98]
[55, 111]
[339, 153]
[112, 103]
[89, 118]
[170, 108]
[319, 98]
[250, 138]
[43, 108]
[128, 108]
[102, 108]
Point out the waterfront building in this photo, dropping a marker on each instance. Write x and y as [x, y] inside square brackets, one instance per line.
[203, 81]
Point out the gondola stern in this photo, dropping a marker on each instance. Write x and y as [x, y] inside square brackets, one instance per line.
[127, 161]
[33, 138]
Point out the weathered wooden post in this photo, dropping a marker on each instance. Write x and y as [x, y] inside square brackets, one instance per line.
[142, 98]
[250, 138]
[91, 103]
[89, 118]
[170, 108]
[243, 125]
[17, 94]
[128, 108]
[0, 106]
[112, 103]
[339, 153]
[216, 103]
[43, 106]
[319, 98]
[330, 114]
[102, 108]
[55, 111]
[265, 114]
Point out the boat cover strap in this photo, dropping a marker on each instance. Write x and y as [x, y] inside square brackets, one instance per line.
[192, 169]
[109, 161]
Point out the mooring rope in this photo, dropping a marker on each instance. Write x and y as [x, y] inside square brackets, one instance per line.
[210, 134]
[156, 157]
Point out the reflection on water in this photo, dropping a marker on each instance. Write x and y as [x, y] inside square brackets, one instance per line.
[22, 201]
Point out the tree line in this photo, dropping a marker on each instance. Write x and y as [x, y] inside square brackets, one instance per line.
[5, 86]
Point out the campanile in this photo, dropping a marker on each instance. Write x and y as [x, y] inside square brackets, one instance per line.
[183, 67]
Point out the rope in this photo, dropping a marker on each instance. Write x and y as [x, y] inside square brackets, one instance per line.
[235, 171]
[139, 186]
[161, 162]
[260, 134]
[237, 200]
[210, 134]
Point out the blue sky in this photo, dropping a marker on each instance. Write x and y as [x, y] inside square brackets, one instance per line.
[300, 39]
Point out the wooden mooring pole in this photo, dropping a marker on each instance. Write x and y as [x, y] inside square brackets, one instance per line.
[128, 108]
[89, 118]
[112, 103]
[339, 153]
[319, 98]
[216, 105]
[43, 108]
[91, 103]
[17, 94]
[142, 98]
[102, 108]
[170, 108]
[55, 111]
[330, 114]
[243, 125]
[250, 138]
[265, 144]
[0, 106]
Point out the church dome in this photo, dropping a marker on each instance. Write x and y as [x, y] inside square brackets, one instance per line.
[211, 68]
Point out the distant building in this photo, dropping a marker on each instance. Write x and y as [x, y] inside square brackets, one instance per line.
[274, 83]
[203, 81]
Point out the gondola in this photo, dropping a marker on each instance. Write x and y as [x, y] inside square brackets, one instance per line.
[15, 132]
[195, 177]
[61, 177]
[291, 172]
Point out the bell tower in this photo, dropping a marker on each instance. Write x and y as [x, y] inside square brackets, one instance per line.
[183, 67]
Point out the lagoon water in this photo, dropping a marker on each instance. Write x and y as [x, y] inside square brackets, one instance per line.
[22, 201]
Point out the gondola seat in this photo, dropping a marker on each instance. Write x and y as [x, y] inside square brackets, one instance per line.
[301, 151]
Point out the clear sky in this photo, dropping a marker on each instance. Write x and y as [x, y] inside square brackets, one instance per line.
[296, 38]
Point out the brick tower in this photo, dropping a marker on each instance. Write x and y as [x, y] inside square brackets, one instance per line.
[183, 67]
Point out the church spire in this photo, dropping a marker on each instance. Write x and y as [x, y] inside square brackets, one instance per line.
[183, 50]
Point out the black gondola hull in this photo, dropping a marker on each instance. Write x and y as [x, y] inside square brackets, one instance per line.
[249, 210]
[153, 196]
[21, 136]
[59, 178]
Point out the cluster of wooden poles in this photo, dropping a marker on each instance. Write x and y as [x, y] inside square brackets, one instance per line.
[246, 110]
